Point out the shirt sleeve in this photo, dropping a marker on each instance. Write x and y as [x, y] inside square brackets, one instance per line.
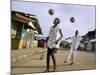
[72, 38]
[59, 28]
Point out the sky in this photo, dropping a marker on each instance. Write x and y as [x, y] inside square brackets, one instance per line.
[84, 16]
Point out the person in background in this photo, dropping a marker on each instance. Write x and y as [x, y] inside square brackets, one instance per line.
[75, 43]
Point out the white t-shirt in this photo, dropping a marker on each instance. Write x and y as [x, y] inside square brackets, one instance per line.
[53, 37]
[75, 41]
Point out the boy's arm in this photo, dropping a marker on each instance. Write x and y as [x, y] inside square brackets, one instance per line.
[67, 38]
[61, 35]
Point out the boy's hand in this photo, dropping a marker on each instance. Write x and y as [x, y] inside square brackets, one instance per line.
[47, 38]
[56, 42]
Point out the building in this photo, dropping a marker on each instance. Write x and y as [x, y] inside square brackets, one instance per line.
[89, 40]
[23, 29]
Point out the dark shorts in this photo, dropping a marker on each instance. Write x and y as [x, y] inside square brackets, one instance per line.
[52, 50]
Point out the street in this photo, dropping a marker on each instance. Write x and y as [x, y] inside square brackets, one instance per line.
[33, 64]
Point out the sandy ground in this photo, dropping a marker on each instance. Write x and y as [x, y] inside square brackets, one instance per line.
[84, 61]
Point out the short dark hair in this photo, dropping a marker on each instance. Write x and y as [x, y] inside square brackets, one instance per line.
[57, 19]
[76, 31]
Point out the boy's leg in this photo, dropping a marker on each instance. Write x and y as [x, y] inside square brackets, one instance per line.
[70, 54]
[65, 59]
[54, 61]
[74, 55]
[48, 61]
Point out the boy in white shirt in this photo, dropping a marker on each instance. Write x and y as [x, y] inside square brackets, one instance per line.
[75, 43]
[52, 43]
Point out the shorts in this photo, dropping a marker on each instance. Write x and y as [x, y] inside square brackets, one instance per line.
[52, 50]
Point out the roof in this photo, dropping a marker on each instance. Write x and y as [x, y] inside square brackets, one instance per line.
[91, 32]
[26, 18]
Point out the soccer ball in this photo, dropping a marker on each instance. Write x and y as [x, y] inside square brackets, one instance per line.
[51, 12]
[72, 19]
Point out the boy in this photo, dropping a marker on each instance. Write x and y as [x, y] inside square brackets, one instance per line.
[75, 43]
[53, 42]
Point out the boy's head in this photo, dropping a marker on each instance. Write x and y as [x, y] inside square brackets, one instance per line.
[56, 21]
[76, 32]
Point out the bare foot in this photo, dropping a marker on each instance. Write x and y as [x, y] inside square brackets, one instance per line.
[72, 63]
[46, 71]
[54, 70]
